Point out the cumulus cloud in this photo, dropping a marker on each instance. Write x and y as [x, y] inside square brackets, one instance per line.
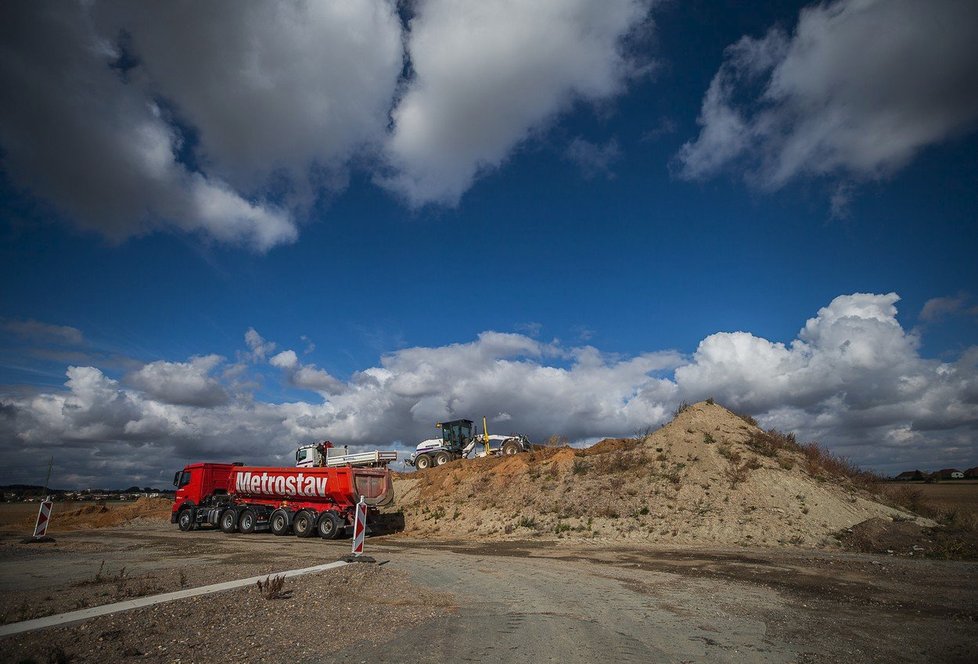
[258, 345]
[857, 90]
[488, 74]
[853, 378]
[181, 383]
[230, 120]
[100, 96]
[269, 87]
[309, 376]
[287, 359]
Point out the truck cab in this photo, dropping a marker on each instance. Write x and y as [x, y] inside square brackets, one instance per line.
[200, 484]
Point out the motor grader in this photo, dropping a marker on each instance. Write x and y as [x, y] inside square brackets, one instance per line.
[458, 440]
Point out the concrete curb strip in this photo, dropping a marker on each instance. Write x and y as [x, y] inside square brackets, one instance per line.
[95, 611]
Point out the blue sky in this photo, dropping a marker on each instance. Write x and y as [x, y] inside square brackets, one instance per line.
[516, 231]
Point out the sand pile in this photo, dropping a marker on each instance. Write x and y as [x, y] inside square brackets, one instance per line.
[709, 476]
[71, 516]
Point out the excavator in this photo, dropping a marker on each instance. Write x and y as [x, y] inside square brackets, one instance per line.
[458, 441]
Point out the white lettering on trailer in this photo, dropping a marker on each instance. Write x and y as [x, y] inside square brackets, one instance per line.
[277, 485]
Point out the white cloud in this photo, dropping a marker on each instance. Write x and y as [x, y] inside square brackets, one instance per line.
[229, 120]
[258, 346]
[313, 378]
[853, 378]
[309, 376]
[857, 90]
[287, 359]
[270, 87]
[489, 74]
[181, 383]
[270, 90]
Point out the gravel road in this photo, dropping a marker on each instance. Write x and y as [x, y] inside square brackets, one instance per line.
[500, 602]
[543, 610]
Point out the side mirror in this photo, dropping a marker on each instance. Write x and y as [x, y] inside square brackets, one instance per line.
[176, 479]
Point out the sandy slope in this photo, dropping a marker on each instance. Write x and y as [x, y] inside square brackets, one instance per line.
[702, 479]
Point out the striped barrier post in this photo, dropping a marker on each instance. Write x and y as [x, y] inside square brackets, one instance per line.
[359, 527]
[43, 518]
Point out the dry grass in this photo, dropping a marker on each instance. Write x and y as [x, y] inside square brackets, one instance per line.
[273, 587]
[617, 462]
[950, 504]
[818, 461]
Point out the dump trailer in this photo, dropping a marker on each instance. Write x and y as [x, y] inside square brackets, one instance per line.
[304, 501]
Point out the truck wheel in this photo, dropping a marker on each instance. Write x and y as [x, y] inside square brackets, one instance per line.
[185, 520]
[279, 522]
[229, 521]
[329, 525]
[423, 462]
[246, 522]
[302, 525]
[442, 458]
[510, 447]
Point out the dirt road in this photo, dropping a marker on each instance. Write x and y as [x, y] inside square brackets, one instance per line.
[508, 602]
[514, 609]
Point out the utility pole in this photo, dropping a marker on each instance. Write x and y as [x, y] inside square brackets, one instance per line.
[47, 479]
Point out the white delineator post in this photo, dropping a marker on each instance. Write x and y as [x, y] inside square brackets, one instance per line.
[359, 527]
[43, 518]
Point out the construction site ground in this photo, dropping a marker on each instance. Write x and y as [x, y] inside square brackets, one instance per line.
[503, 601]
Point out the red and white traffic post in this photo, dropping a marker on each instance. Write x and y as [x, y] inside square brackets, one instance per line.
[43, 518]
[359, 527]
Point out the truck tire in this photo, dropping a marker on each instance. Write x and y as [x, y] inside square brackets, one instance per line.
[330, 525]
[423, 462]
[229, 521]
[185, 520]
[302, 524]
[278, 523]
[246, 522]
[510, 447]
[441, 458]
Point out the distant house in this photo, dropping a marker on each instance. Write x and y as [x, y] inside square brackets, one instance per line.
[971, 473]
[948, 474]
[910, 475]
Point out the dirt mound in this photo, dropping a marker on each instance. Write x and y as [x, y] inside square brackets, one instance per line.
[709, 476]
[907, 538]
[70, 516]
[612, 445]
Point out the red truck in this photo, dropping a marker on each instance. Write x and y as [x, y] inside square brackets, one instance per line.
[305, 501]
